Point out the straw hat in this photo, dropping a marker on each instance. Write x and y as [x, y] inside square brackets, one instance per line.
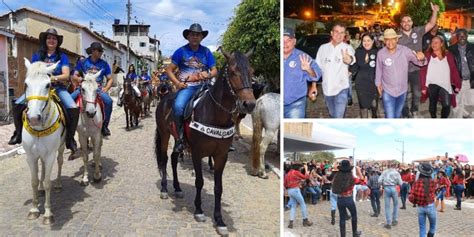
[390, 34]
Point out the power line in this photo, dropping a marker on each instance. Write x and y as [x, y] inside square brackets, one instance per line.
[99, 22]
[104, 10]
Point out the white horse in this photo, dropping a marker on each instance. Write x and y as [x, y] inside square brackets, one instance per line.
[90, 125]
[43, 134]
[265, 115]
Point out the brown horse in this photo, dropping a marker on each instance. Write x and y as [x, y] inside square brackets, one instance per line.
[131, 104]
[146, 97]
[231, 91]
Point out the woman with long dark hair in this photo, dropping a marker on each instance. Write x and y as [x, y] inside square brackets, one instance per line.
[467, 175]
[443, 185]
[364, 71]
[343, 187]
[50, 53]
[459, 186]
[131, 76]
[292, 184]
[440, 80]
[423, 194]
[405, 188]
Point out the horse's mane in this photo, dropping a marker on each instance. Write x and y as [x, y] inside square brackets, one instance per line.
[36, 69]
[242, 62]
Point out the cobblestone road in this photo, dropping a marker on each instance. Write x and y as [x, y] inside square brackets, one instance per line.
[451, 223]
[127, 203]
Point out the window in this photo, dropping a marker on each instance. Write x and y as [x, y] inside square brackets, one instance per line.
[142, 44]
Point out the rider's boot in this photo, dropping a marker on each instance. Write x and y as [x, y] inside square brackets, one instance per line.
[179, 147]
[17, 111]
[71, 126]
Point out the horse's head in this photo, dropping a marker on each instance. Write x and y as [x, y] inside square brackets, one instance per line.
[239, 76]
[37, 89]
[127, 86]
[89, 93]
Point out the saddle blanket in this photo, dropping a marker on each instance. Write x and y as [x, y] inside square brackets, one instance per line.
[221, 133]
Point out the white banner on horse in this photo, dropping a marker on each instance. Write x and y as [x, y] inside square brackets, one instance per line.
[221, 133]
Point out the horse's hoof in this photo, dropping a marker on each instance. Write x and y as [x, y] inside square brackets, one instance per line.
[33, 215]
[222, 230]
[179, 195]
[84, 183]
[97, 180]
[41, 193]
[164, 195]
[263, 176]
[48, 220]
[199, 217]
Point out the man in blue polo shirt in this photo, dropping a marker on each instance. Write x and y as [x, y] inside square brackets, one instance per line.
[146, 80]
[94, 64]
[195, 63]
[300, 69]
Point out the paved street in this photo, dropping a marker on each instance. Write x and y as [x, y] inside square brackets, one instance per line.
[127, 201]
[449, 224]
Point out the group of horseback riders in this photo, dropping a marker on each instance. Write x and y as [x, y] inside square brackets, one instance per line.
[194, 62]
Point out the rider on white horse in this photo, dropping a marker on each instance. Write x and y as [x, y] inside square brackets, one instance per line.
[50, 53]
[132, 76]
[195, 63]
[94, 64]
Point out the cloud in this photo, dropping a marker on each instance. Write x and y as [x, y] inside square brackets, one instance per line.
[384, 130]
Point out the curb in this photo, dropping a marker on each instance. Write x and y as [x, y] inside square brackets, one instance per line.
[10, 153]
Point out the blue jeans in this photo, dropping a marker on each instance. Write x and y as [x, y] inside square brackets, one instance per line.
[458, 190]
[390, 192]
[108, 103]
[337, 104]
[63, 94]
[296, 197]
[441, 194]
[315, 193]
[296, 109]
[404, 190]
[430, 212]
[393, 106]
[333, 200]
[182, 98]
[375, 200]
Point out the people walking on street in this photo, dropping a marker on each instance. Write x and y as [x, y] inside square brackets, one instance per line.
[364, 71]
[440, 79]
[389, 179]
[292, 184]
[459, 186]
[195, 63]
[93, 64]
[412, 37]
[464, 55]
[299, 70]
[334, 59]
[343, 186]
[391, 73]
[375, 192]
[422, 194]
[405, 188]
[443, 186]
[51, 53]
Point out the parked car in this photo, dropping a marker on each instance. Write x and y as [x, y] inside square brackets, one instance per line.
[310, 43]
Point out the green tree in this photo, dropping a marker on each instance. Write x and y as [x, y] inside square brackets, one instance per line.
[256, 24]
[419, 10]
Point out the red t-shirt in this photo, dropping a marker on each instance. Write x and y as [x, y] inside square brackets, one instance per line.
[293, 179]
[443, 181]
[458, 180]
[407, 177]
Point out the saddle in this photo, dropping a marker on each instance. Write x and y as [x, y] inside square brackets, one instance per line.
[188, 110]
[98, 100]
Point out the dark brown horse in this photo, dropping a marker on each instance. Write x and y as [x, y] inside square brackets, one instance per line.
[231, 91]
[131, 104]
[146, 97]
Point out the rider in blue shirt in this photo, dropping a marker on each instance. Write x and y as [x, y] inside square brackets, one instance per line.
[195, 63]
[147, 80]
[50, 53]
[132, 76]
[94, 64]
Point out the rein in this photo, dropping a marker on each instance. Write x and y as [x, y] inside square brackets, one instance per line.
[95, 104]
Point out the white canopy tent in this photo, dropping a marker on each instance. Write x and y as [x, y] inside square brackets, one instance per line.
[322, 138]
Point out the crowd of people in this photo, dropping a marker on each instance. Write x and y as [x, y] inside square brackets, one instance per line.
[412, 62]
[426, 186]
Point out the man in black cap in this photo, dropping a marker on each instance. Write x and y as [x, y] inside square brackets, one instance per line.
[195, 63]
[94, 64]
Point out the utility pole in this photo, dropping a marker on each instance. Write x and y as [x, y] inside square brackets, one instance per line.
[129, 10]
[403, 149]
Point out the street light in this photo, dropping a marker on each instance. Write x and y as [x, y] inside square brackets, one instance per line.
[307, 13]
[403, 149]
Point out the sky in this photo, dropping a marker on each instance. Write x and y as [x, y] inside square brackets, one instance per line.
[168, 18]
[423, 138]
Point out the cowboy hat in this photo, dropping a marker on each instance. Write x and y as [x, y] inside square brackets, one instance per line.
[390, 34]
[345, 166]
[289, 32]
[195, 27]
[425, 169]
[94, 45]
[50, 31]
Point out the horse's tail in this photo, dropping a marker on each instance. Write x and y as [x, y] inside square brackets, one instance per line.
[158, 151]
[257, 138]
